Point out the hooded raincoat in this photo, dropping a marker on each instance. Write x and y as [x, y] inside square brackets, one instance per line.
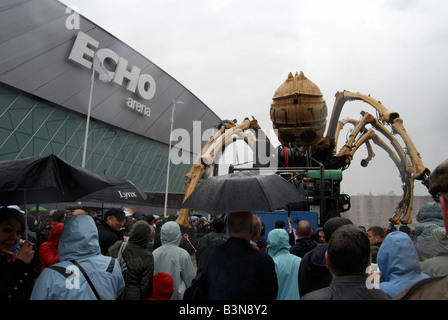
[398, 263]
[79, 241]
[139, 261]
[286, 265]
[172, 259]
[429, 218]
[313, 271]
[438, 264]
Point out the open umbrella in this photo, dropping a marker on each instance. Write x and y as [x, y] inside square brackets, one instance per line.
[131, 209]
[46, 179]
[122, 192]
[243, 191]
[38, 209]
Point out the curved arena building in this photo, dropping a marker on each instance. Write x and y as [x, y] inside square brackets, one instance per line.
[46, 87]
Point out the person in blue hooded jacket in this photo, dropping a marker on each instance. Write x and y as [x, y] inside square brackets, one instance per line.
[65, 281]
[398, 263]
[286, 265]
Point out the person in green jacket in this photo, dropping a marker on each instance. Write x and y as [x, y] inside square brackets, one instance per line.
[139, 262]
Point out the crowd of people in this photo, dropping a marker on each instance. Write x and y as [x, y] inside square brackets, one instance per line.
[79, 255]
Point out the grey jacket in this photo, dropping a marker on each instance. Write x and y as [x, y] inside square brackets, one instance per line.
[429, 218]
[438, 264]
[172, 259]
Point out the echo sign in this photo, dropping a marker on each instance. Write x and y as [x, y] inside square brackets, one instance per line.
[144, 84]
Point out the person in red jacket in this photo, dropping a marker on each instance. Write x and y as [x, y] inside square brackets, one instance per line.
[48, 251]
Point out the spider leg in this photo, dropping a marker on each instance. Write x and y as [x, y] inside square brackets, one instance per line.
[340, 125]
[210, 151]
[197, 171]
[409, 163]
[370, 155]
[195, 174]
[350, 147]
[404, 208]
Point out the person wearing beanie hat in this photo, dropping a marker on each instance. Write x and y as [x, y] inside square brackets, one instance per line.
[438, 181]
[313, 271]
[280, 224]
[438, 188]
[333, 224]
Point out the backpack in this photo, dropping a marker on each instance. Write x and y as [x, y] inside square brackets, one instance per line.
[122, 261]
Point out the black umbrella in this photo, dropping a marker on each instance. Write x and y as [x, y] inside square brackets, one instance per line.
[243, 191]
[123, 192]
[46, 179]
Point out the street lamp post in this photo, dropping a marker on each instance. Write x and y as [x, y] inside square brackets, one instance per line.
[169, 156]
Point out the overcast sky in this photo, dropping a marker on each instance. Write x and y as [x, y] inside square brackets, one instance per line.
[233, 55]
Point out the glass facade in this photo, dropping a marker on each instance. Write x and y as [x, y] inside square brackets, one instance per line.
[32, 127]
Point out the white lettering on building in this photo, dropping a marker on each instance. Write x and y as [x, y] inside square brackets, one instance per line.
[139, 107]
[83, 52]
